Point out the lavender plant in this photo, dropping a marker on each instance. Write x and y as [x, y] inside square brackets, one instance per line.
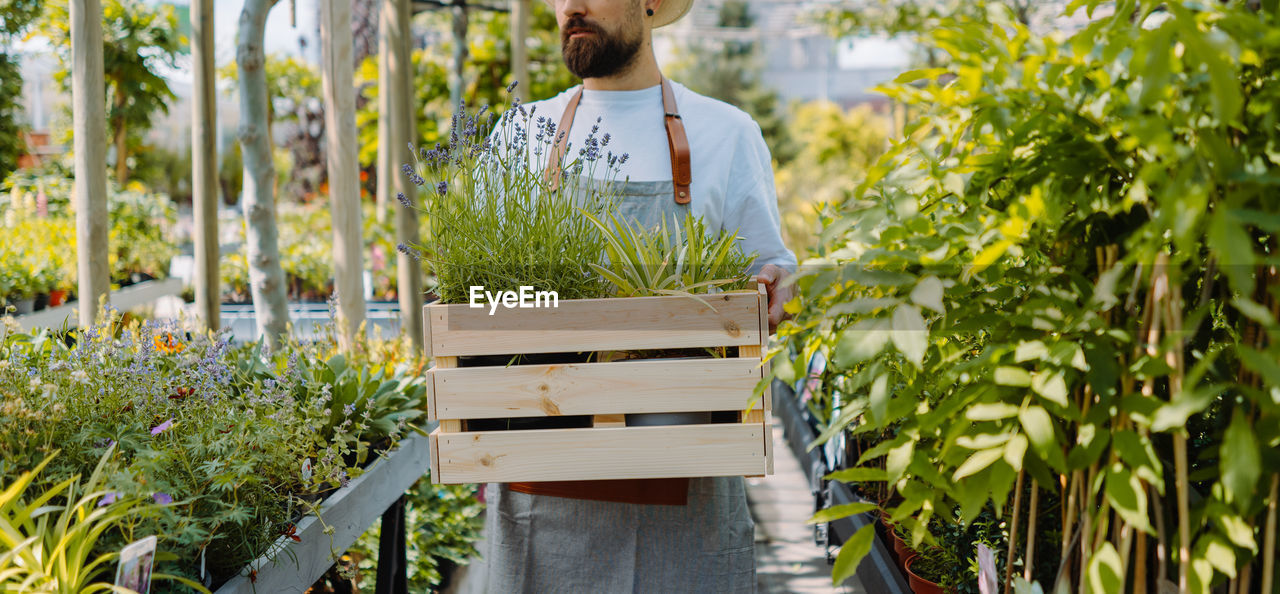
[495, 220]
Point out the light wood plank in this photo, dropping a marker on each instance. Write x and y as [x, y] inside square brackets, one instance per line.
[768, 442]
[644, 386]
[448, 426]
[597, 325]
[729, 449]
[764, 343]
[434, 462]
[609, 421]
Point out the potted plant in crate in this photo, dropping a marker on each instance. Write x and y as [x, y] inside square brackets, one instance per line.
[558, 276]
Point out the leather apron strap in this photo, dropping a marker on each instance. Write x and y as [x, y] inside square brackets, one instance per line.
[677, 143]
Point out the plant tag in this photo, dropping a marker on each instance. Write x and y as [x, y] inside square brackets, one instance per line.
[987, 581]
[205, 577]
[306, 470]
[134, 569]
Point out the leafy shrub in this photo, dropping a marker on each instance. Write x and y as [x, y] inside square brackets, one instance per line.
[1063, 275]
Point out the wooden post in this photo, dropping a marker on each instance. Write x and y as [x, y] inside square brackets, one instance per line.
[396, 128]
[90, 141]
[460, 51]
[338, 77]
[519, 50]
[204, 175]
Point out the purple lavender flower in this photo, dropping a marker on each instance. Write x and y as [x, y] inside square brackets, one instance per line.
[108, 499]
[162, 427]
[404, 200]
[442, 188]
[162, 498]
[348, 409]
[512, 86]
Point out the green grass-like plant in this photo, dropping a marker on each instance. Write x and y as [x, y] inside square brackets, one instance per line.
[674, 260]
[51, 546]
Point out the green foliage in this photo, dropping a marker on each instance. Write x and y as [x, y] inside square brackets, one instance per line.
[1061, 272]
[138, 40]
[442, 523]
[487, 72]
[660, 261]
[11, 142]
[15, 17]
[218, 435]
[51, 539]
[731, 72]
[834, 150]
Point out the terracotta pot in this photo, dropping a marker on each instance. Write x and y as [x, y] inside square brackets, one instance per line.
[901, 550]
[57, 297]
[920, 585]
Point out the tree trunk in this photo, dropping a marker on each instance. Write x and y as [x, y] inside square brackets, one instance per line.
[204, 172]
[338, 77]
[266, 278]
[395, 92]
[122, 146]
[89, 121]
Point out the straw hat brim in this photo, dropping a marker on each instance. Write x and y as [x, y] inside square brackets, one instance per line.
[668, 12]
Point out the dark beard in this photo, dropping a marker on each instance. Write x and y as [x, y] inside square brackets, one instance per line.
[600, 56]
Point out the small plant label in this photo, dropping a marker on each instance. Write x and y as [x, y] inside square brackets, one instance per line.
[306, 470]
[134, 569]
[987, 580]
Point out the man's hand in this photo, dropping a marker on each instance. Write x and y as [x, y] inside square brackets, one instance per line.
[771, 275]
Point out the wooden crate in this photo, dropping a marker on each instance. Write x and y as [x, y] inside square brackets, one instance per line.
[604, 390]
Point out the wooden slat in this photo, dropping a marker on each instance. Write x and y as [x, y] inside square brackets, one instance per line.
[609, 421]
[434, 460]
[450, 425]
[768, 442]
[596, 324]
[645, 386]
[589, 454]
[764, 342]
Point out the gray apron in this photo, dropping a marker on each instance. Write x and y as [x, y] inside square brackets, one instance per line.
[541, 543]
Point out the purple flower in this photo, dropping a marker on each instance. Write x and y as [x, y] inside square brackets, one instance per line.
[162, 427]
[348, 409]
[512, 86]
[442, 188]
[403, 199]
[108, 499]
[162, 498]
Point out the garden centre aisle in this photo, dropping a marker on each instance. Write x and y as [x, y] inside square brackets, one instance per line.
[787, 561]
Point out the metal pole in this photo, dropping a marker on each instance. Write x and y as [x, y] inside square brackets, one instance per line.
[392, 566]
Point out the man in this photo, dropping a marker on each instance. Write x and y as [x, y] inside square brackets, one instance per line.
[685, 152]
